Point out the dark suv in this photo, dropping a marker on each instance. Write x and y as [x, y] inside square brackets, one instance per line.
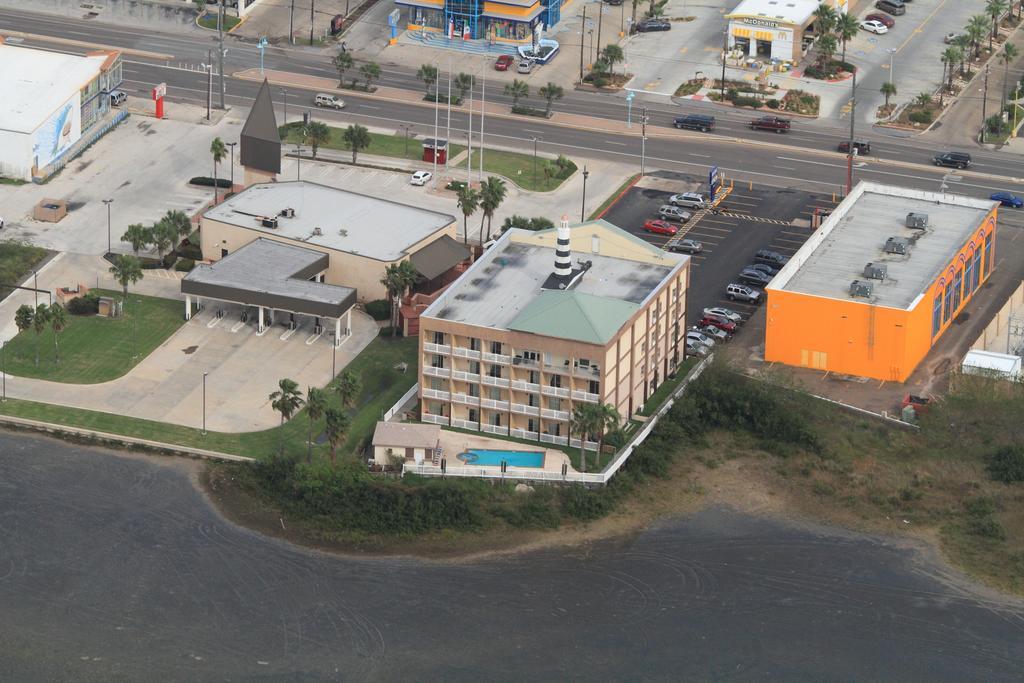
[893, 7]
[953, 159]
[772, 258]
[695, 122]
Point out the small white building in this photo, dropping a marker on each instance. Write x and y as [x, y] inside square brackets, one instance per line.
[1002, 365]
[413, 442]
[774, 28]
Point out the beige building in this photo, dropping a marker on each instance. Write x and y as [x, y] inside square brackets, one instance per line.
[412, 442]
[546, 320]
[361, 235]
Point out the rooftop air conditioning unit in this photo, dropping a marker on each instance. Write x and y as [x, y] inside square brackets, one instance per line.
[860, 288]
[317, 232]
[876, 271]
[268, 222]
[917, 221]
[288, 213]
[897, 245]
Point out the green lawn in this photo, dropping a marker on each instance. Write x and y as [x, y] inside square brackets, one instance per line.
[380, 144]
[96, 349]
[16, 261]
[382, 386]
[667, 387]
[519, 168]
[209, 20]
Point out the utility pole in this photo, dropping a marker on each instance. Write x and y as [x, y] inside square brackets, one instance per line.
[600, 16]
[483, 113]
[469, 138]
[209, 83]
[853, 119]
[984, 102]
[220, 47]
[312, 5]
[108, 202]
[643, 139]
[725, 50]
[583, 27]
[291, 24]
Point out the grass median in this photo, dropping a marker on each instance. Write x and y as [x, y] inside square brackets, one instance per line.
[380, 144]
[17, 261]
[528, 172]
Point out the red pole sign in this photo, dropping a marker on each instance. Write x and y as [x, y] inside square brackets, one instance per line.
[158, 97]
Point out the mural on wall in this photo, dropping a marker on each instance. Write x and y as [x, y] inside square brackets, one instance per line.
[58, 133]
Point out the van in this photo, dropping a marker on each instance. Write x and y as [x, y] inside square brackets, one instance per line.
[737, 292]
[117, 97]
[893, 7]
[695, 122]
[324, 100]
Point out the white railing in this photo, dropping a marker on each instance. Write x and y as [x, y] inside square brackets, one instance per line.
[463, 352]
[465, 398]
[525, 386]
[589, 445]
[406, 397]
[465, 424]
[551, 438]
[495, 405]
[437, 348]
[555, 391]
[434, 419]
[465, 376]
[585, 396]
[523, 409]
[589, 371]
[494, 381]
[514, 473]
[434, 393]
[496, 358]
[436, 372]
[554, 414]
[525, 362]
[493, 429]
[523, 434]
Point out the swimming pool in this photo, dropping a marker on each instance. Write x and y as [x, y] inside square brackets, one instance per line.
[483, 456]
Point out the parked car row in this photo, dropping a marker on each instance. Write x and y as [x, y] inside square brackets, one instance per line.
[717, 325]
[755, 277]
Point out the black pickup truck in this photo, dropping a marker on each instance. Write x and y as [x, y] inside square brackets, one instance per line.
[771, 123]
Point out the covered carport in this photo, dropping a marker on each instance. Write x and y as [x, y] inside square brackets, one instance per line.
[273, 276]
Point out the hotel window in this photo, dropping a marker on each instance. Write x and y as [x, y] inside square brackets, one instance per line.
[555, 380]
[474, 390]
[474, 344]
[437, 361]
[474, 415]
[496, 347]
[555, 403]
[947, 305]
[594, 387]
[533, 401]
[534, 377]
[977, 270]
[494, 393]
[496, 419]
[437, 384]
[531, 425]
[494, 371]
[988, 254]
[434, 408]
[968, 276]
[439, 337]
[531, 356]
[958, 282]
[937, 315]
[474, 367]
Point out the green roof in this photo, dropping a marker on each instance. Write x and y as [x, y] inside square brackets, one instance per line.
[573, 315]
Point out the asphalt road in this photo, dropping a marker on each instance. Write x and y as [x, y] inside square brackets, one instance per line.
[115, 568]
[191, 49]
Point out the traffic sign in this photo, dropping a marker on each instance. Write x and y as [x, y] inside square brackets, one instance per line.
[714, 182]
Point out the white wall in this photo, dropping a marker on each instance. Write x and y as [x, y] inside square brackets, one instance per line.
[15, 155]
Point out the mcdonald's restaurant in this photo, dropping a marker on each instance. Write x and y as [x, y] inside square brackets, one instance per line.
[780, 30]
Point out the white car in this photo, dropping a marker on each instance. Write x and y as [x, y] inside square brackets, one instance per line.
[713, 332]
[699, 338]
[689, 200]
[696, 349]
[722, 312]
[421, 178]
[874, 26]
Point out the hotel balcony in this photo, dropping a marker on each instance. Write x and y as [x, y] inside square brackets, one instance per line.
[585, 396]
[493, 405]
[434, 393]
[466, 376]
[492, 429]
[525, 386]
[463, 352]
[559, 392]
[525, 409]
[587, 371]
[466, 424]
[431, 371]
[443, 349]
[521, 362]
[496, 358]
[554, 414]
[551, 438]
[494, 381]
[466, 399]
[523, 434]
[435, 419]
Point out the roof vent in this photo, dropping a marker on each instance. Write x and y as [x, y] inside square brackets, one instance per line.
[317, 232]
[876, 271]
[917, 221]
[897, 245]
[268, 222]
[287, 213]
[861, 288]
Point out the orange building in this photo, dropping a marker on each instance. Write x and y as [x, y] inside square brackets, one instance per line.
[879, 282]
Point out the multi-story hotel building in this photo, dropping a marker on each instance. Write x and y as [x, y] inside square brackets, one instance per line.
[546, 320]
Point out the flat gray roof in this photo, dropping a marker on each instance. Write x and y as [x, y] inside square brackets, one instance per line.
[855, 233]
[329, 217]
[274, 275]
[508, 278]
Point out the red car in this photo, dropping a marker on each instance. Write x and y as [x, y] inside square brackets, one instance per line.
[660, 227]
[883, 18]
[503, 62]
[720, 323]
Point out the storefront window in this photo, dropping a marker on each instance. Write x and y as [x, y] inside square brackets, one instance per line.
[977, 270]
[937, 315]
[957, 284]
[969, 277]
[428, 18]
[947, 306]
[506, 29]
[988, 254]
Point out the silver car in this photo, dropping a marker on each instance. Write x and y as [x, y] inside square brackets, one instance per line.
[715, 333]
[696, 349]
[689, 200]
[673, 213]
[687, 245]
[699, 338]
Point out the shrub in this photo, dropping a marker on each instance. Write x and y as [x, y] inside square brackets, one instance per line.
[206, 181]
[744, 101]
[184, 265]
[731, 94]
[535, 223]
[773, 103]
[524, 110]
[616, 439]
[148, 263]
[87, 304]
[379, 309]
[586, 504]
[923, 116]
[814, 71]
[1006, 464]
[455, 185]
[986, 527]
[190, 251]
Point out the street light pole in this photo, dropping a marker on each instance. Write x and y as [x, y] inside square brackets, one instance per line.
[108, 202]
[535, 162]
[643, 140]
[204, 402]
[984, 103]
[892, 53]
[725, 51]
[135, 319]
[231, 145]
[583, 26]
[583, 206]
[853, 120]
[3, 351]
[220, 51]
[298, 157]
[407, 128]
[209, 83]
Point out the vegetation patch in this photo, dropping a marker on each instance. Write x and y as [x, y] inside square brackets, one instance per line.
[17, 260]
[921, 112]
[209, 20]
[690, 87]
[800, 102]
[525, 170]
[397, 145]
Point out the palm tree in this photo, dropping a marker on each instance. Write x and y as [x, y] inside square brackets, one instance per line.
[163, 237]
[427, 74]
[613, 54]
[58, 322]
[826, 48]
[1009, 53]
[349, 388]
[492, 194]
[138, 235]
[995, 9]
[950, 57]
[463, 83]
[581, 422]
[517, 89]
[370, 72]
[317, 133]
[606, 419]
[923, 99]
[342, 62]
[398, 277]
[826, 15]
[336, 424]
[40, 318]
[357, 138]
[888, 89]
[551, 92]
[469, 200]
[180, 221]
[976, 28]
[846, 28]
[23, 317]
[963, 43]
[316, 404]
[286, 400]
[126, 270]
[219, 150]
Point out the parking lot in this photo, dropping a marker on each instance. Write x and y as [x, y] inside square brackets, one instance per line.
[750, 218]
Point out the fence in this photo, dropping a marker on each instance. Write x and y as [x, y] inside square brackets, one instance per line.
[406, 397]
[598, 478]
